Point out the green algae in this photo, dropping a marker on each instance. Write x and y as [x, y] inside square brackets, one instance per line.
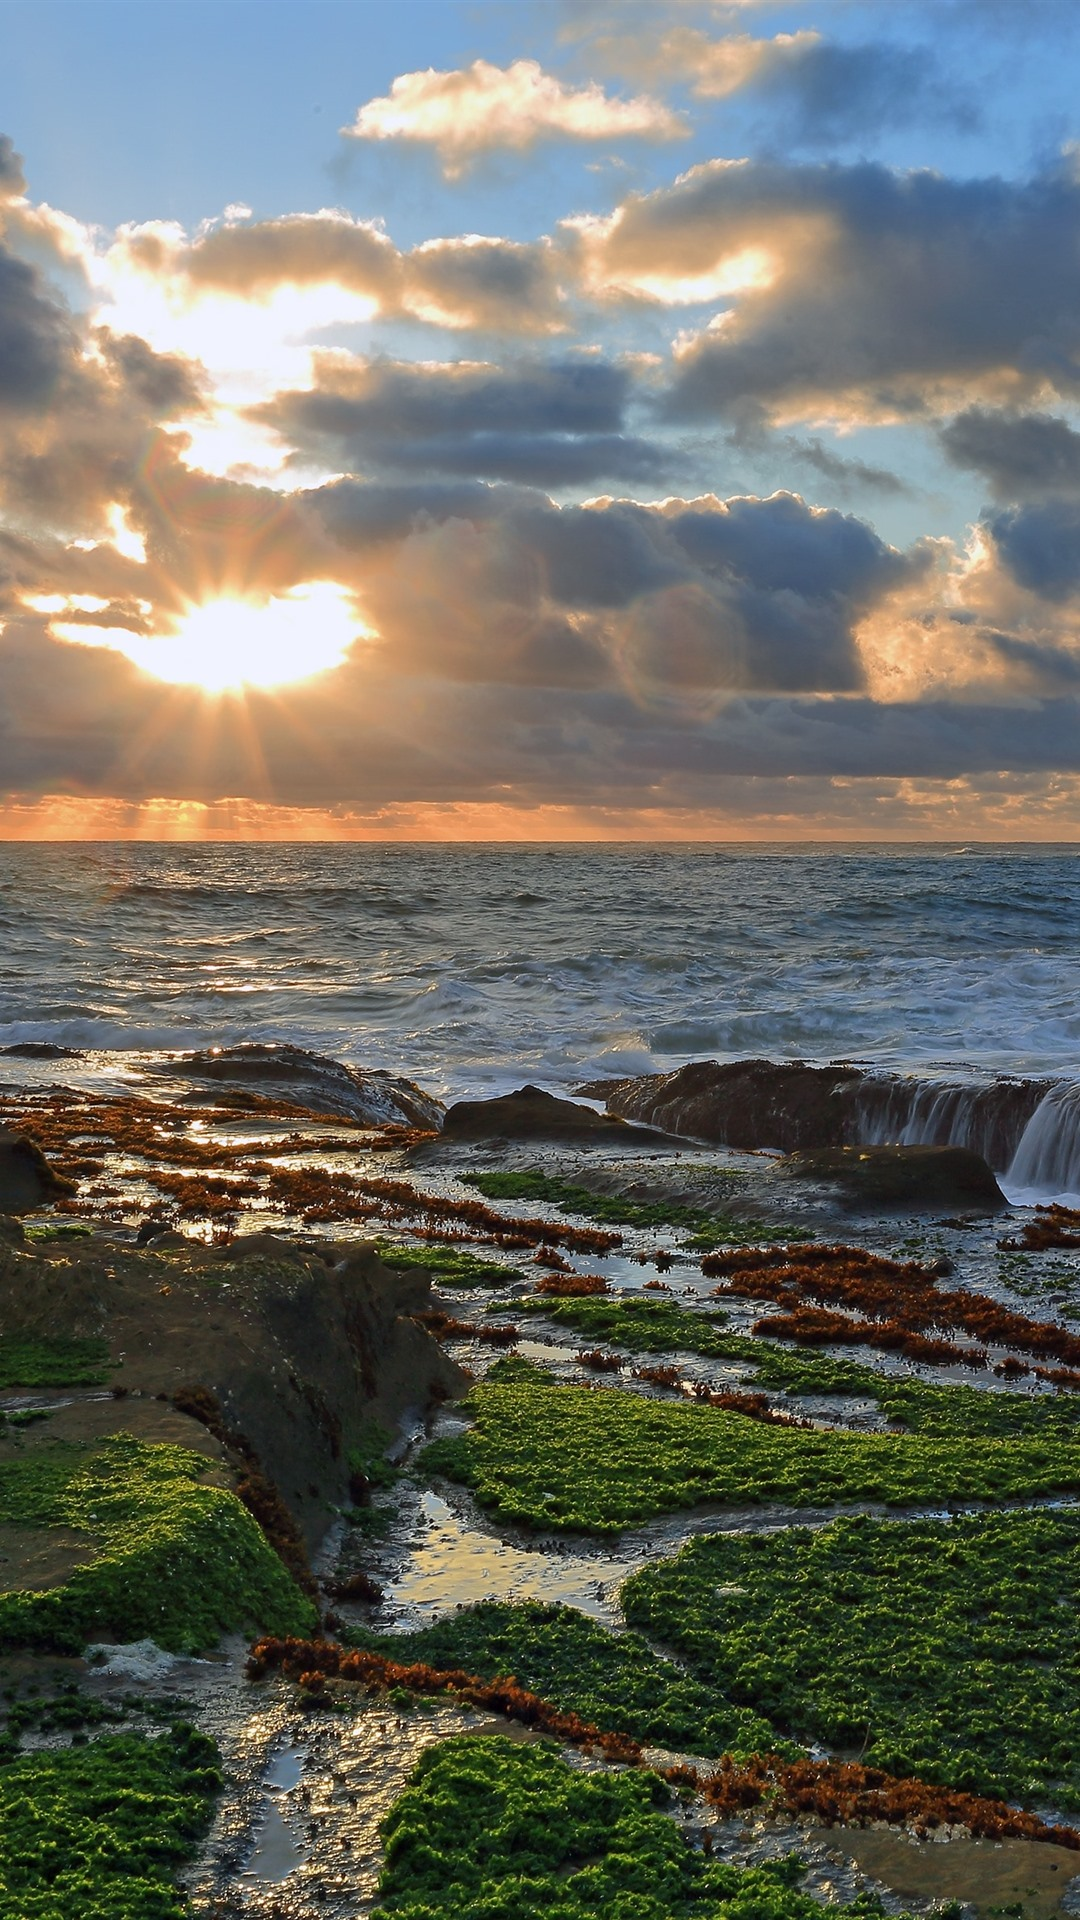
[949, 1650]
[97, 1831]
[708, 1227]
[612, 1680]
[596, 1460]
[450, 1266]
[173, 1560]
[45, 1230]
[54, 1363]
[647, 1326]
[489, 1829]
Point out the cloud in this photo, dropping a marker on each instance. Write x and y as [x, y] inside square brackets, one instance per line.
[1039, 545]
[848, 476]
[714, 69]
[824, 91]
[1021, 455]
[686, 601]
[12, 181]
[854, 292]
[469, 281]
[609, 655]
[483, 108]
[36, 337]
[544, 423]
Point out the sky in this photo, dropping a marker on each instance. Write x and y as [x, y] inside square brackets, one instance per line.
[540, 419]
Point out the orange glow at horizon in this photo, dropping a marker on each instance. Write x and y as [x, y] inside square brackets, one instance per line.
[227, 645]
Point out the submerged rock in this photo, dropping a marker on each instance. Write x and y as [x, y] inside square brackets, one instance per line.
[532, 1114]
[312, 1080]
[907, 1178]
[26, 1178]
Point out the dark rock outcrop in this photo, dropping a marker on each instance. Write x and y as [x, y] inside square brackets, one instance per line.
[40, 1050]
[26, 1178]
[298, 1351]
[745, 1103]
[312, 1080]
[792, 1107]
[903, 1179]
[532, 1114]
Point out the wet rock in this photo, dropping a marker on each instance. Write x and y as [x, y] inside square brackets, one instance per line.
[40, 1050]
[26, 1178]
[744, 1103]
[312, 1080]
[281, 1359]
[909, 1179]
[791, 1106]
[532, 1114]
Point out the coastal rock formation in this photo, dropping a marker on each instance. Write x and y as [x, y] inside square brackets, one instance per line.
[875, 1179]
[26, 1178]
[40, 1050]
[287, 1353]
[792, 1107]
[532, 1114]
[312, 1080]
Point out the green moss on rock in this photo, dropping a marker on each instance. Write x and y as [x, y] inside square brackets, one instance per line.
[599, 1459]
[489, 1829]
[96, 1831]
[613, 1680]
[944, 1649]
[173, 1560]
[54, 1363]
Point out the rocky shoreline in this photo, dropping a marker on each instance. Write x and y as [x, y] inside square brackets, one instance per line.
[247, 1293]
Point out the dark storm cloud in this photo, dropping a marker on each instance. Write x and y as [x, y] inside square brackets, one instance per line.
[1021, 455]
[1039, 545]
[543, 424]
[887, 292]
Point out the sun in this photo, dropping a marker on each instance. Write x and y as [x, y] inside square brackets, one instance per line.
[225, 646]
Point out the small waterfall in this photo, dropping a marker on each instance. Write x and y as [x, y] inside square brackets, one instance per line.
[1027, 1130]
[989, 1117]
[1047, 1160]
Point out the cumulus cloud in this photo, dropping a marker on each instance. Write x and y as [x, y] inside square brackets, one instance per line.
[1039, 545]
[857, 292]
[684, 601]
[540, 422]
[1020, 455]
[36, 337]
[473, 280]
[483, 108]
[607, 654]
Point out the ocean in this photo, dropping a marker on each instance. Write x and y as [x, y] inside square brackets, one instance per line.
[472, 968]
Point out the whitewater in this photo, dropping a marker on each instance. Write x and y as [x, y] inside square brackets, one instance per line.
[472, 968]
